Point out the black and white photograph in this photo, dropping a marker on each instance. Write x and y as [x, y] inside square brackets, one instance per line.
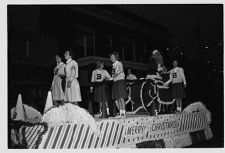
[114, 75]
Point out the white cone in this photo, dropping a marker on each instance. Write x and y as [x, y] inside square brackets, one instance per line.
[19, 111]
[49, 102]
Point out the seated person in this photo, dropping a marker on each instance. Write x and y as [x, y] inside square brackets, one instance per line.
[130, 76]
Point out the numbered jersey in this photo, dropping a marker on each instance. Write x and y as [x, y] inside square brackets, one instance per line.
[71, 70]
[177, 75]
[99, 75]
[117, 71]
[59, 69]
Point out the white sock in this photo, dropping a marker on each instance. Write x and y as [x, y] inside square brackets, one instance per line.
[121, 111]
[107, 110]
[179, 109]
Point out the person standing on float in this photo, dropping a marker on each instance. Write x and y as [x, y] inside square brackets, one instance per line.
[100, 93]
[178, 80]
[72, 89]
[119, 91]
[56, 88]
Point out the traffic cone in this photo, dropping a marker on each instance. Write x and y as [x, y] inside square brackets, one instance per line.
[49, 102]
[19, 111]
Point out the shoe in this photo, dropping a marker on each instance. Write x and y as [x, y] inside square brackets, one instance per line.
[123, 115]
[104, 117]
[98, 115]
[119, 116]
[177, 112]
[111, 115]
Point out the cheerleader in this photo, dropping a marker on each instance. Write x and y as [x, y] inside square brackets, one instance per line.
[100, 92]
[57, 91]
[178, 80]
[119, 92]
[72, 89]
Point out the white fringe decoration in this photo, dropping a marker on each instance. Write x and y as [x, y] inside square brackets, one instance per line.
[178, 141]
[70, 113]
[208, 133]
[14, 137]
[31, 114]
[198, 107]
[169, 142]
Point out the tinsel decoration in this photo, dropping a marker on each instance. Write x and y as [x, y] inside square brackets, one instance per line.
[198, 107]
[31, 114]
[178, 141]
[70, 113]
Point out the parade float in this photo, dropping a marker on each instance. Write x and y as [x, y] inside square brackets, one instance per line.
[69, 126]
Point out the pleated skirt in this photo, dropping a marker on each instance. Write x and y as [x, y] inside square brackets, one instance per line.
[119, 90]
[178, 91]
[100, 94]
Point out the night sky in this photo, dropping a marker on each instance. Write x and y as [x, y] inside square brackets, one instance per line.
[181, 20]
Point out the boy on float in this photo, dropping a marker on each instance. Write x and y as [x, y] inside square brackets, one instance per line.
[119, 91]
[100, 92]
[178, 80]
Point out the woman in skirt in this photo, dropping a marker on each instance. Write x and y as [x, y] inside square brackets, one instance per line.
[57, 91]
[72, 89]
[119, 92]
[100, 93]
[178, 80]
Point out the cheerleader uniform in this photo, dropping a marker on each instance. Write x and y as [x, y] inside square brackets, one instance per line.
[57, 91]
[100, 92]
[119, 87]
[178, 79]
[72, 94]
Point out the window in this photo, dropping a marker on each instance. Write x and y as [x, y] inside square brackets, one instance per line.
[79, 46]
[84, 45]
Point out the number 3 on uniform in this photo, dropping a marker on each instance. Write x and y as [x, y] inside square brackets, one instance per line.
[99, 76]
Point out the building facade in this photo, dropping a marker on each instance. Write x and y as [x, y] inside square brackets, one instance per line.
[36, 33]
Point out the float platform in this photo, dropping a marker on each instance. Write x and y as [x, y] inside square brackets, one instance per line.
[162, 131]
